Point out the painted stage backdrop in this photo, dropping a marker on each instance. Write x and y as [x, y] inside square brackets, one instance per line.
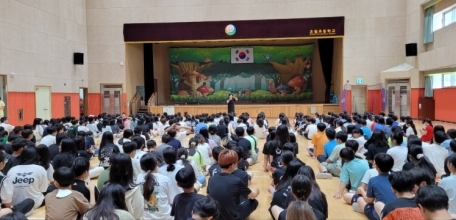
[255, 73]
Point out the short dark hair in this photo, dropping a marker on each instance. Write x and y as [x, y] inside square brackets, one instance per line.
[321, 126]
[185, 178]
[330, 133]
[51, 129]
[172, 132]
[432, 198]
[3, 119]
[151, 144]
[440, 137]
[342, 135]
[250, 130]
[402, 181]
[80, 165]
[384, 162]
[64, 176]
[129, 147]
[216, 151]
[18, 144]
[239, 131]
[352, 144]
[127, 133]
[26, 133]
[206, 207]
[347, 154]
[166, 138]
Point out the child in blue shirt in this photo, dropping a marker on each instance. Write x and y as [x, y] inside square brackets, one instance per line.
[378, 188]
[352, 173]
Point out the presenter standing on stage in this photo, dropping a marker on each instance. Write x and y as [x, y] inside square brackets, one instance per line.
[230, 103]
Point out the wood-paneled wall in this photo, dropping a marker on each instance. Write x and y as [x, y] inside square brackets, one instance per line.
[270, 110]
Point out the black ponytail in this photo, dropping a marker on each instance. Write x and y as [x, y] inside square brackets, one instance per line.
[148, 163]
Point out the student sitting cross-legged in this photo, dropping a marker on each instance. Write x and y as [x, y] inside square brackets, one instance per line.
[64, 203]
[378, 188]
[352, 173]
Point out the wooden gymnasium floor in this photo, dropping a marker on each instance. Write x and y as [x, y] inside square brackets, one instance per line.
[338, 209]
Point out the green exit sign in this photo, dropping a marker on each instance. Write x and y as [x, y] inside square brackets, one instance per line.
[359, 80]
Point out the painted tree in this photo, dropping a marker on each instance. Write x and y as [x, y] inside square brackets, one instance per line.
[290, 69]
[188, 75]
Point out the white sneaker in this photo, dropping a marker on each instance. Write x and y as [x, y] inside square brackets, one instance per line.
[323, 176]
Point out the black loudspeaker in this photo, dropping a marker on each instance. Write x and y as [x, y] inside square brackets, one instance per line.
[78, 59]
[410, 50]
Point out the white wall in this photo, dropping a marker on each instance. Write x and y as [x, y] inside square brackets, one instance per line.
[37, 42]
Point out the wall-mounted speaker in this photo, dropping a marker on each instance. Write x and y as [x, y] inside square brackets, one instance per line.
[78, 59]
[411, 50]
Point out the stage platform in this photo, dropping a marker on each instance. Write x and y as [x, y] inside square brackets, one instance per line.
[271, 110]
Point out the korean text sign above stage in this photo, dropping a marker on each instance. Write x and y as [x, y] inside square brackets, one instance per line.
[255, 73]
[249, 29]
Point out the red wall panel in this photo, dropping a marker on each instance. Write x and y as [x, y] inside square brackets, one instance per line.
[444, 104]
[24, 101]
[415, 94]
[374, 101]
[58, 108]
[94, 103]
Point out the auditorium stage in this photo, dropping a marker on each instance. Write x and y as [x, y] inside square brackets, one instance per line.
[271, 110]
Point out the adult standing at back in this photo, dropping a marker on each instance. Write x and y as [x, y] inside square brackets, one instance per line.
[2, 107]
[230, 102]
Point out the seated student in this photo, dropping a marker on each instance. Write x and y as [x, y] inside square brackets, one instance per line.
[352, 173]
[448, 183]
[266, 149]
[6, 192]
[317, 198]
[28, 135]
[318, 140]
[49, 139]
[397, 151]
[333, 165]
[157, 190]
[215, 168]
[433, 203]
[22, 176]
[130, 149]
[170, 169]
[126, 137]
[435, 152]
[81, 167]
[226, 189]
[279, 170]
[54, 148]
[329, 146]
[18, 145]
[110, 205]
[183, 203]
[182, 154]
[140, 146]
[213, 135]
[246, 147]
[301, 189]
[404, 207]
[253, 143]
[65, 203]
[122, 173]
[366, 130]
[358, 136]
[205, 209]
[281, 194]
[378, 188]
[418, 160]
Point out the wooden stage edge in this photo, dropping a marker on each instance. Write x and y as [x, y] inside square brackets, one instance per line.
[271, 110]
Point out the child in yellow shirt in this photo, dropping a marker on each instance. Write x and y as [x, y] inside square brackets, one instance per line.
[319, 139]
